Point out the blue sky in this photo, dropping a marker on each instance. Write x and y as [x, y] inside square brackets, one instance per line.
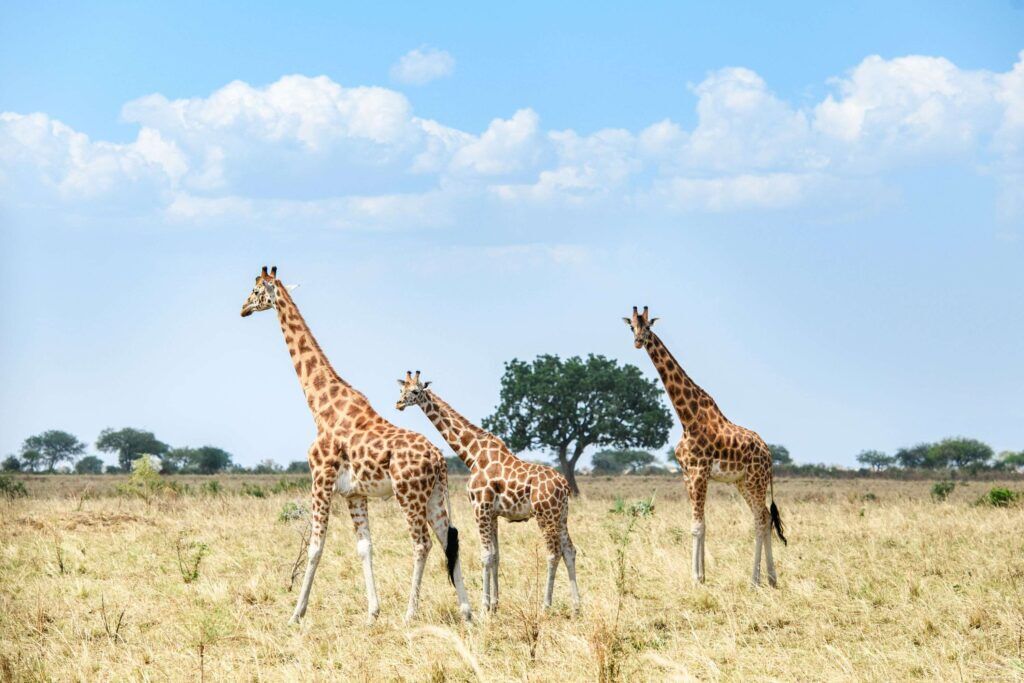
[822, 203]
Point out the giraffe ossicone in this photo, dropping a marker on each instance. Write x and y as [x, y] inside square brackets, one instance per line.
[501, 485]
[360, 455]
[713, 448]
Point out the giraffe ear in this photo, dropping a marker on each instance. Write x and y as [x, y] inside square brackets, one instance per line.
[652, 321]
[427, 384]
[628, 321]
[401, 382]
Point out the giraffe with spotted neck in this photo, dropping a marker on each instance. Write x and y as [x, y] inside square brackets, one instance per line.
[361, 455]
[713, 448]
[501, 485]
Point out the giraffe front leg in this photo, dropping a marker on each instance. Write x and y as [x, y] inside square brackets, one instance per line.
[486, 523]
[321, 510]
[357, 509]
[698, 490]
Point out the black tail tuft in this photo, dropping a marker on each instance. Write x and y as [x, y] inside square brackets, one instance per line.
[451, 552]
[777, 522]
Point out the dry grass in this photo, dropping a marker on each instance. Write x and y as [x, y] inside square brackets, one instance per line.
[890, 586]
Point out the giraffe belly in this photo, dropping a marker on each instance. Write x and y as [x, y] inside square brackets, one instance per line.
[729, 476]
[347, 485]
[514, 510]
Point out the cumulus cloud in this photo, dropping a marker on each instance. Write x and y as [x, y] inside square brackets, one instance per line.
[311, 149]
[422, 65]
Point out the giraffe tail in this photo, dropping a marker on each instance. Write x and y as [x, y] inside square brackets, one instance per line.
[775, 516]
[451, 546]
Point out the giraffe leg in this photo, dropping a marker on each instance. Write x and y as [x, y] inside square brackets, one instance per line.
[321, 511]
[569, 557]
[549, 528]
[754, 495]
[361, 523]
[437, 515]
[485, 523]
[697, 484]
[416, 516]
[495, 565]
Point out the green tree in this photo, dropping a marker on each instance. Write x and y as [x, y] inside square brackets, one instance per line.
[90, 464]
[616, 461]
[298, 466]
[914, 456]
[1009, 460]
[177, 460]
[12, 464]
[566, 406]
[962, 453]
[50, 448]
[876, 460]
[210, 460]
[130, 444]
[780, 454]
[267, 467]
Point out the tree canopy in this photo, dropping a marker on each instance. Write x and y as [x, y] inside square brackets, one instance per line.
[565, 406]
[130, 444]
[616, 461]
[50, 448]
[90, 464]
[780, 454]
[876, 460]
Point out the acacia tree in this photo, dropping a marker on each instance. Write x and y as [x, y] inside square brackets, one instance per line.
[51, 447]
[566, 406]
[780, 454]
[876, 460]
[130, 444]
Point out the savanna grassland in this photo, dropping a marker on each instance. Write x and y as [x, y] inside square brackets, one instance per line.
[879, 582]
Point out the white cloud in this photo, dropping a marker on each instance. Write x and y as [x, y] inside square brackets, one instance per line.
[422, 65]
[308, 149]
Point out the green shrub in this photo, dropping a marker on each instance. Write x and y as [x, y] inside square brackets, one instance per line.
[999, 497]
[291, 511]
[144, 480]
[211, 487]
[11, 488]
[285, 485]
[638, 508]
[254, 490]
[941, 490]
[190, 554]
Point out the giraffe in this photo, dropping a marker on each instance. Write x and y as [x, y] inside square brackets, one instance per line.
[712, 447]
[361, 455]
[501, 485]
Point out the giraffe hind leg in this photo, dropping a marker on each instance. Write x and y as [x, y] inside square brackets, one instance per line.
[447, 535]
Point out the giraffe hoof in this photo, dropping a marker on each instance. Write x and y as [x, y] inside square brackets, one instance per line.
[467, 613]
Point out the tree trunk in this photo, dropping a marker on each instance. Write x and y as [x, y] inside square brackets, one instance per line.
[568, 469]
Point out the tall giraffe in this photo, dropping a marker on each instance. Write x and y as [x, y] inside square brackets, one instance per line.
[361, 455]
[501, 485]
[712, 447]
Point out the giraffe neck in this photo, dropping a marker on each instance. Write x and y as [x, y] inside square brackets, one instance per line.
[462, 435]
[693, 405]
[311, 364]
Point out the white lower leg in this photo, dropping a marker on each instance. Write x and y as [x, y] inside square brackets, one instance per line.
[316, 546]
[569, 555]
[552, 568]
[365, 550]
[460, 590]
[698, 552]
[769, 560]
[755, 577]
[420, 561]
[495, 565]
[486, 557]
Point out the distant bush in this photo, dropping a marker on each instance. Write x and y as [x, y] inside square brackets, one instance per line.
[999, 497]
[292, 511]
[941, 490]
[211, 487]
[297, 467]
[11, 464]
[254, 490]
[144, 480]
[11, 488]
[285, 485]
[90, 464]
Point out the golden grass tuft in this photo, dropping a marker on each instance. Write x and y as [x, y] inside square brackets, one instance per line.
[891, 586]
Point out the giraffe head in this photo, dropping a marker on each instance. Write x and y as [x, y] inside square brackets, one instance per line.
[414, 392]
[641, 324]
[264, 294]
